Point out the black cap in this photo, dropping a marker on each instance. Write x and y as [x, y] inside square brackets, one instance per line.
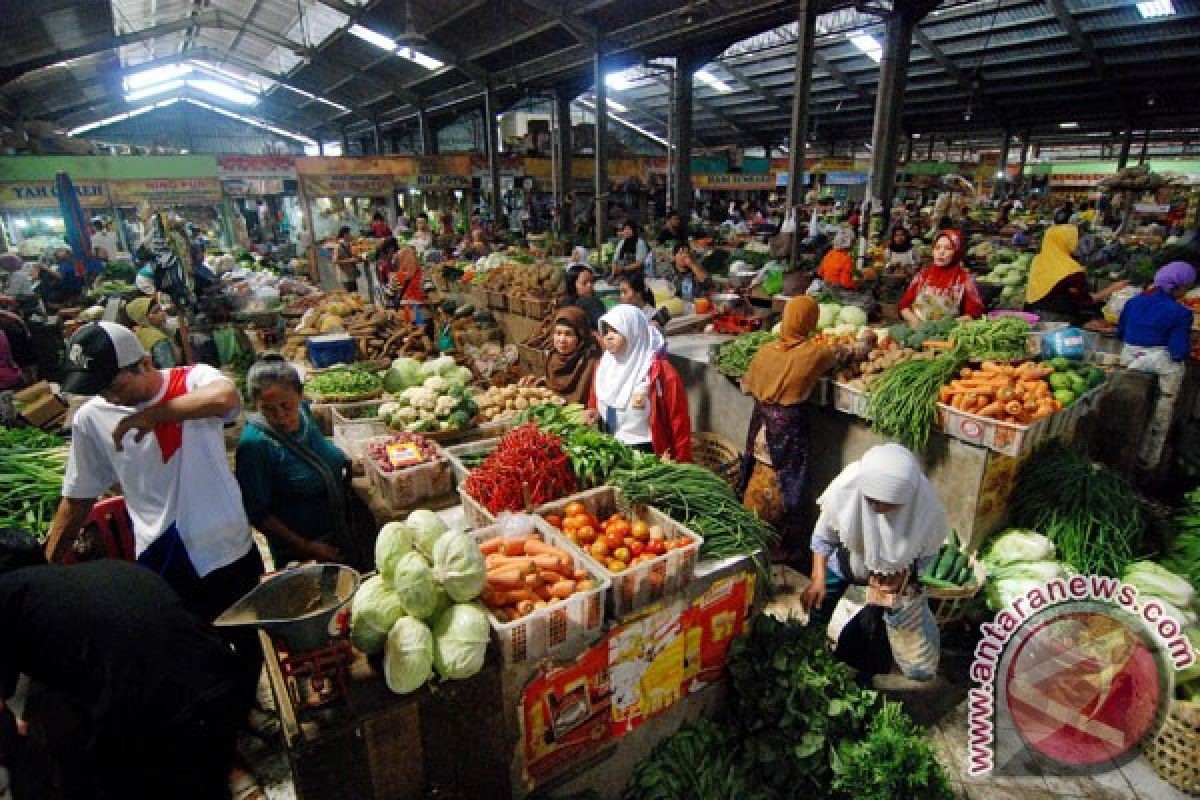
[96, 353]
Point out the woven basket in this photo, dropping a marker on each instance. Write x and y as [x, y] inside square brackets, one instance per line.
[1175, 749]
[949, 605]
[717, 454]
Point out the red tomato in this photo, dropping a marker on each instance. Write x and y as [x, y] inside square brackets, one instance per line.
[555, 520]
[636, 547]
[613, 541]
[586, 534]
[575, 508]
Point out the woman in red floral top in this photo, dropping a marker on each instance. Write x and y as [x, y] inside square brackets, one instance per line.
[945, 289]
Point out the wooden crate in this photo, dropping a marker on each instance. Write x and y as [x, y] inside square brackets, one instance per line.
[446, 743]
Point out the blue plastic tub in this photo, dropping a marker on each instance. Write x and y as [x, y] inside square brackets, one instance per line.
[1065, 342]
[333, 348]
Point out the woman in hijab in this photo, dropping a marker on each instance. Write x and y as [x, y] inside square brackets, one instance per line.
[638, 394]
[1058, 287]
[1157, 331]
[780, 378]
[901, 255]
[837, 266]
[571, 368]
[149, 321]
[945, 289]
[881, 522]
[11, 376]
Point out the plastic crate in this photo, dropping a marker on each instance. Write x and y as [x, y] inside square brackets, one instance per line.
[404, 488]
[325, 351]
[850, 400]
[562, 629]
[646, 583]
[351, 436]
[456, 452]
[323, 412]
[1008, 437]
[474, 514]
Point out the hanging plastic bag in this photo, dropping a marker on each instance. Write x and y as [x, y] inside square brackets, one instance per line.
[789, 222]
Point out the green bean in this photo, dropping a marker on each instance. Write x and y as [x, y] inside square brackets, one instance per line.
[1004, 338]
[903, 401]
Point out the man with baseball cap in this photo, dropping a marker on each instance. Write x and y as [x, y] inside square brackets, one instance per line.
[159, 436]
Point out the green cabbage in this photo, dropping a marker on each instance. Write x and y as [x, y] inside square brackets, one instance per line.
[1030, 570]
[827, 315]
[413, 583]
[402, 374]
[1191, 673]
[395, 539]
[460, 639]
[852, 315]
[376, 609]
[427, 528]
[1001, 593]
[408, 656]
[458, 564]
[459, 376]
[1158, 581]
[1017, 545]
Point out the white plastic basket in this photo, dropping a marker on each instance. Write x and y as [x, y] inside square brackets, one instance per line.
[456, 453]
[562, 629]
[404, 488]
[474, 514]
[350, 435]
[1008, 437]
[643, 584]
[849, 400]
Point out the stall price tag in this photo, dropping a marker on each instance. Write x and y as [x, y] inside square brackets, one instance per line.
[404, 454]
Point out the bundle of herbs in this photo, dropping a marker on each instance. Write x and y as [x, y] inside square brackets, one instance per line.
[1090, 513]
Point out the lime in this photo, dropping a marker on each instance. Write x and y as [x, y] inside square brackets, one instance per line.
[1065, 397]
[1059, 380]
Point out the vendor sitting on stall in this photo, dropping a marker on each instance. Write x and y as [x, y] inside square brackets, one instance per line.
[638, 395]
[1058, 288]
[901, 255]
[345, 261]
[634, 292]
[689, 279]
[837, 266]
[579, 290]
[881, 521]
[149, 322]
[780, 378]
[945, 289]
[1157, 333]
[629, 256]
[400, 275]
[422, 237]
[292, 477]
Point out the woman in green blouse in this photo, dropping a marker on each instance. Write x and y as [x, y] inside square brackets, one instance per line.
[292, 477]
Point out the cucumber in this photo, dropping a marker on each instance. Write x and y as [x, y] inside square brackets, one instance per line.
[964, 573]
[960, 563]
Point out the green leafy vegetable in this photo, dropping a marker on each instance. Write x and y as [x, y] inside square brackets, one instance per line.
[1003, 338]
[893, 762]
[733, 358]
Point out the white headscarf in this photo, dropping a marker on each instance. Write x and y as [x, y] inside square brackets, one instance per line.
[618, 376]
[885, 543]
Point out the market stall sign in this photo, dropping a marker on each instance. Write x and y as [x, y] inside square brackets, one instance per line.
[256, 168]
[1077, 179]
[733, 181]
[348, 185]
[43, 194]
[173, 191]
[356, 165]
[845, 178]
[633, 674]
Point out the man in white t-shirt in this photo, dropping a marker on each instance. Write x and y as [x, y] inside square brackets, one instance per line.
[158, 434]
[104, 242]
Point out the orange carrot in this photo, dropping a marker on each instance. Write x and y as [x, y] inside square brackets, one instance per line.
[509, 578]
[562, 589]
[536, 547]
[552, 563]
[515, 545]
[491, 546]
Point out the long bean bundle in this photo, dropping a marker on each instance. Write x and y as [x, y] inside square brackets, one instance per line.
[699, 499]
[992, 338]
[30, 487]
[903, 401]
[1090, 513]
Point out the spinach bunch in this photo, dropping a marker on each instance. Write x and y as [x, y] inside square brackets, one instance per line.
[699, 761]
[893, 763]
[793, 702]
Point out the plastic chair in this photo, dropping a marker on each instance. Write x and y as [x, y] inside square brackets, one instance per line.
[114, 528]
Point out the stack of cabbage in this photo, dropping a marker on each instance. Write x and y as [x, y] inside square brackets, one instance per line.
[428, 397]
[418, 610]
[1010, 270]
[1178, 598]
[1017, 561]
[838, 319]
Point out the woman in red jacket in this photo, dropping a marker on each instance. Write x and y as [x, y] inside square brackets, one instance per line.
[637, 393]
[945, 289]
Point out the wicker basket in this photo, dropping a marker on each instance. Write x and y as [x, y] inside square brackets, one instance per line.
[717, 454]
[949, 605]
[1175, 749]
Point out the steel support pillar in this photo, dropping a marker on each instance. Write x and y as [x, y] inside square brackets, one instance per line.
[377, 136]
[1002, 168]
[806, 31]
[1145, 145]
[564, 148]
[492, 136]
[681, 136]
[1126, 146]
[1019, 187]
[428, 134]
[889, 107]
[601, 151]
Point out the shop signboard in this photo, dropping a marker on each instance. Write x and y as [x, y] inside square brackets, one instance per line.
[355, 165]
[43, 194]
[166, 192]
[733, 181]
[256, 168]
[1077, 179]
[845, 178]
[632, 675]
[424, 181]
[348, 185]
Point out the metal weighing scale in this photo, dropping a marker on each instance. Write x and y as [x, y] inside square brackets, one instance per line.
[305, 610]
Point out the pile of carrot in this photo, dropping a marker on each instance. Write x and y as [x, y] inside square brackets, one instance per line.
[524, 574]
[1018, 394]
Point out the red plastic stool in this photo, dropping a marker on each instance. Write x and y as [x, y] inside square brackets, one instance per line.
[115, 528]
